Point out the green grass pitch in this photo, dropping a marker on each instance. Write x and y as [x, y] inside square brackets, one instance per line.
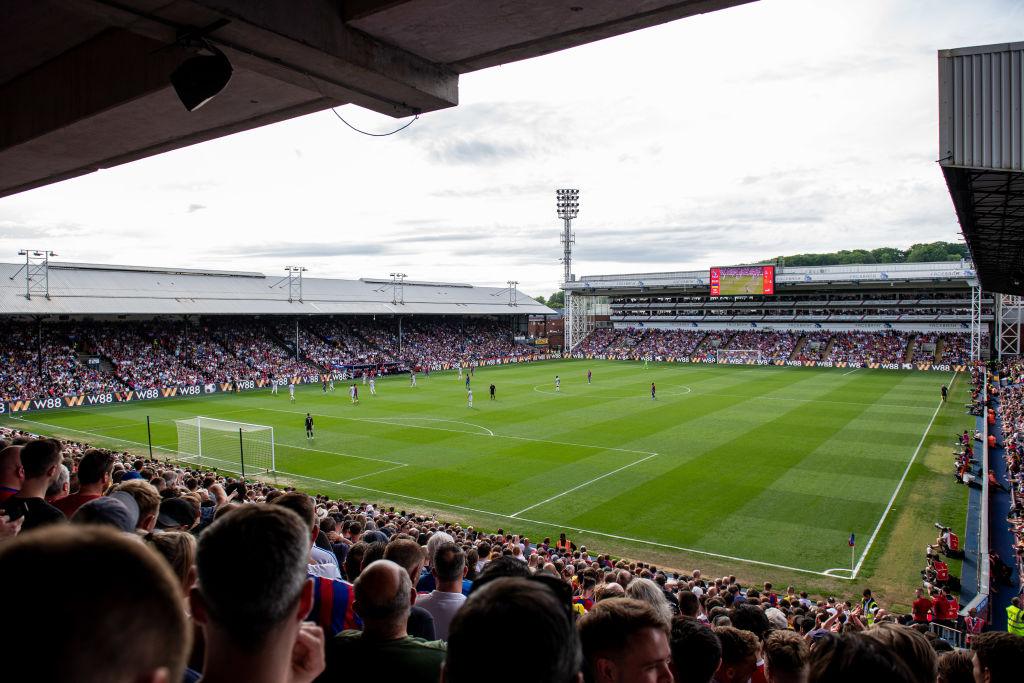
[771, 465]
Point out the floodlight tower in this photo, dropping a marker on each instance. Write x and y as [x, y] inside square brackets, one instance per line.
[512, 284]
[567, 202]
[398, 288]
[294, 276]
[37, 271]
[568, 205]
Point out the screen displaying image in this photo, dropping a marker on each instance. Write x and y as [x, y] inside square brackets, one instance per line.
[743, 281]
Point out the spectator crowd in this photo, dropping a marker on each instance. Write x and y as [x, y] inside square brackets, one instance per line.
[856, 348]
[1009, 386]
[64, 359]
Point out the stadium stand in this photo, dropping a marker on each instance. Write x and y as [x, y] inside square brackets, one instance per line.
[143, 355]
[854, 348]
[1008, 477]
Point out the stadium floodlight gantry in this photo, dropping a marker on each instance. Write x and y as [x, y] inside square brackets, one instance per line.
[938, 298]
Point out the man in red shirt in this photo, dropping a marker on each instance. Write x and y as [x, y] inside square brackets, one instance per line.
[940, 605]
[94, 476]
[921, 607]
[12, 475]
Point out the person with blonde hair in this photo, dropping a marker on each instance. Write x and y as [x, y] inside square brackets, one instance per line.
[178, 548]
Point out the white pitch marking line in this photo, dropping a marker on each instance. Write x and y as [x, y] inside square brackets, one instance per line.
[586, 483]
[689, 390]
[828, 572]
[850, 372]
[140, 443]
[370, 474]
[592, 532]
[347, 455]
[384, 420]
[896, 492]
[459, 431]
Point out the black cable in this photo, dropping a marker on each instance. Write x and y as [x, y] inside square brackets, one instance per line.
[374, 135]
[335, 112]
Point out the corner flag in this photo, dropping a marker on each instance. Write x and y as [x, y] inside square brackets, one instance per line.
[852, 543]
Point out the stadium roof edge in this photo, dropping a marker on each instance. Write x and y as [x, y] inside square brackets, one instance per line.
[154, 269]
[84, 289]
[981, 154]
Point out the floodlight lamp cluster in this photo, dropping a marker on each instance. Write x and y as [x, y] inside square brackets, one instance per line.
[568, 203]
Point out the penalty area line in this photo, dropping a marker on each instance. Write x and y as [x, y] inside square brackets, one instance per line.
[370, 474]
[579, 486]
[370, 420]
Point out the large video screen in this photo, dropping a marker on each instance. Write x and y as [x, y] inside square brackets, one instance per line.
[743, 281]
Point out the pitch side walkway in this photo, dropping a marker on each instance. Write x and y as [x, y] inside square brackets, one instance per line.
[1000, 538]
[972, 535]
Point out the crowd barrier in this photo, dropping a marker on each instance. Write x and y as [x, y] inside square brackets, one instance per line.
[113, 397]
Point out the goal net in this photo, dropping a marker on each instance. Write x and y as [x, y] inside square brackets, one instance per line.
[739, 356]
[227, 445]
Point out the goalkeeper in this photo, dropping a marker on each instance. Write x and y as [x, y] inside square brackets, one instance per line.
[309, 426]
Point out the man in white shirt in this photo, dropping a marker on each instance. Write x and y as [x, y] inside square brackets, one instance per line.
[448, 566]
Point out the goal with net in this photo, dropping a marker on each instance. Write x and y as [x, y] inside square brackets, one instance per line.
[227, 445]
[739, 356]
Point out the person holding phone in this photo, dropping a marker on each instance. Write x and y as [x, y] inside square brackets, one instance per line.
[41, 461]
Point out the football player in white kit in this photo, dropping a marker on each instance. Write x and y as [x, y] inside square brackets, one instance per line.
[373, 386]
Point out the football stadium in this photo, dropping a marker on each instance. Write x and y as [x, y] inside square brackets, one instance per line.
[785, 468]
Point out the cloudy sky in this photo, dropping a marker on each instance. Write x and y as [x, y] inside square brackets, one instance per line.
[778, 127]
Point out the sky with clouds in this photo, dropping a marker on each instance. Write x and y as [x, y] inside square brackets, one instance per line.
[778, 127]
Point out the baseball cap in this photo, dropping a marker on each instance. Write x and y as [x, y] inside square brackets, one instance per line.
[175, 512]
[118, 510]
[776, 618]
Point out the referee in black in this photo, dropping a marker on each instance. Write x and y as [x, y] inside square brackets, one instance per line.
[309, 426]
[492, 392]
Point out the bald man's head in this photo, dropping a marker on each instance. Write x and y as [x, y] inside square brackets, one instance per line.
[383, 594]
[12, 475]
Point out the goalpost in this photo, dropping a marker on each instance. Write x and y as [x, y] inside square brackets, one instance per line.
[739, 356]
[225, 444]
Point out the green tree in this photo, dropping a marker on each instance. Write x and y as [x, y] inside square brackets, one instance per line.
[888, 255]
[933, 251]
[557, 300]
[540, 299]
[917, 253]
